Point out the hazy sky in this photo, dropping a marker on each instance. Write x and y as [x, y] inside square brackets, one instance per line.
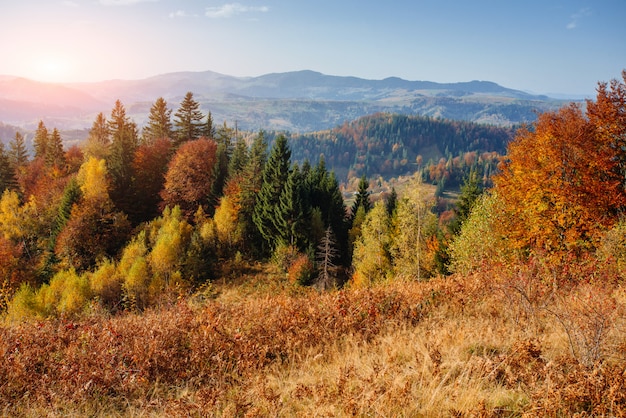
[542, 46]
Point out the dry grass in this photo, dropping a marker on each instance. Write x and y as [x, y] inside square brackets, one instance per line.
[461, 346]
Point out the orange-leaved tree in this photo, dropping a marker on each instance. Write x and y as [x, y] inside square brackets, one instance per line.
[189, 176]
[563, 183]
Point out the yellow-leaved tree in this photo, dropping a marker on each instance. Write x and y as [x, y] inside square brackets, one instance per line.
[414, 226]
[371, 259]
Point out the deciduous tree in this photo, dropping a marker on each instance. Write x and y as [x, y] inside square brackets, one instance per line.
[190, 176]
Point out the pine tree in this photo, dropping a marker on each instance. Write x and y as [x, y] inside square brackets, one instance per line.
[392, 202]
[188, 120]
[124, 143]
[362, 198]
[209, 127]
[239, 157]
[220, 170]
[40, 141]
[55, 155]
[99, 140]
[250, 183]
[275, 175]
[470, 192]
[327, 255]
[159, 122]
[292, 216]
[7, 172]
[18, 155]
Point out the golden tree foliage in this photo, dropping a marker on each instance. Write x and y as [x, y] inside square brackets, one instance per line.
[66, 295]
[413, 225]
[93, 181]
[14, 217]
[371, 259]
[170, 243]
[563, 185]
[133, 267]
[229, 233]
[480, 240]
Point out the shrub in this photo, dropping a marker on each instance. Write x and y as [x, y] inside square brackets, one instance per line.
[301, 271]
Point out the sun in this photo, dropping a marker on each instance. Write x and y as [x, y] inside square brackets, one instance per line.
[52, 68]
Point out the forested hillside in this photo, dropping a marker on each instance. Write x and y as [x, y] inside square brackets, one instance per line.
[188, 267]
[391, 145]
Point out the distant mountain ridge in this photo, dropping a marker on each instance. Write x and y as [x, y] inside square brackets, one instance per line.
[298, 101]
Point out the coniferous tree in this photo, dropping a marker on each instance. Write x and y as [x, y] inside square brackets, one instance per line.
[18, 154]
[209, 127]
[40, 141]
[220, 170]
[239, 157]
[392, 202]
[124, 142]
[275, 175]
[188, 120]
[292, 216]
[159, 122]
[55, 155]
[326, 257]
[7, 173]
[362, 198]
[336, 215]
[470, 192]
[250, 183]
[99, 140]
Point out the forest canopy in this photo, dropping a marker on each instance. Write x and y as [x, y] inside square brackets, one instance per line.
[163, 210]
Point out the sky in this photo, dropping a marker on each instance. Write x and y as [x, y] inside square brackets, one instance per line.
[539, 46]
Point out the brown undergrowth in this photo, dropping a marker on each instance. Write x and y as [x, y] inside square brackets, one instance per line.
[460, 346]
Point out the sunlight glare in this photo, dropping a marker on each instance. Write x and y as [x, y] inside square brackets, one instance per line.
[53, 69]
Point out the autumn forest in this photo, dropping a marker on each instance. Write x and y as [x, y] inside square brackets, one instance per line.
[186, 267]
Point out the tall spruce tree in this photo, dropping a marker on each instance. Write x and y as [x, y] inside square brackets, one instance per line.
[239, 157]
[188, 120]
[99, 140]
[362, 198]
[471, 189]
[392, 201]
[7, 173]
[18, 154]
[292, 214]
[275, 177]
[55, 155]
[209, 127]
[159, 122]
[251, 181]
[124, 142]
[40, 141]
[220, 171]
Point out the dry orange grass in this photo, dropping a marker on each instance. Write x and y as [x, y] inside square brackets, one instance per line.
[461, 346]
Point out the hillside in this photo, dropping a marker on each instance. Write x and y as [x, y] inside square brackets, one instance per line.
[298, 101]
[171, 277]
[390, 145]
[259, 346]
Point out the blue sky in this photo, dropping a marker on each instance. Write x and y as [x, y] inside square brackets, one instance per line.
[542, 46]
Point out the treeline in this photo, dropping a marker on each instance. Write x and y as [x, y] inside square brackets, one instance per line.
[391, 144]
[131, 220]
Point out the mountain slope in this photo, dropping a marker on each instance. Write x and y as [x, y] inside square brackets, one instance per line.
[297, 101]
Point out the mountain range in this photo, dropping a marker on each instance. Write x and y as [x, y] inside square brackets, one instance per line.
[299, 101]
